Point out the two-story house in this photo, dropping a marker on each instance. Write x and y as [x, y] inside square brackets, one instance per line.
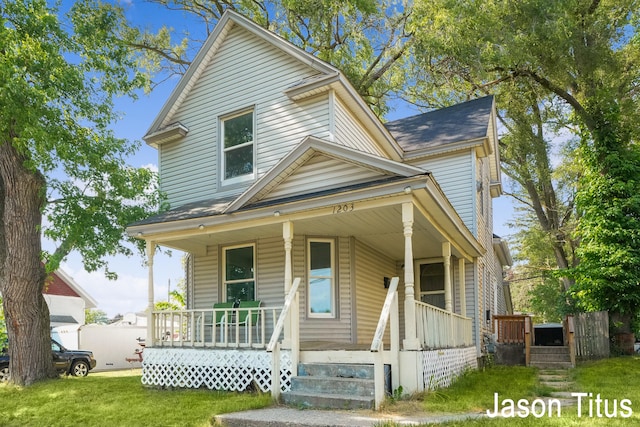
[322, 242]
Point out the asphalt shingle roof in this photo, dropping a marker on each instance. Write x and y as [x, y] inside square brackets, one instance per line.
[461, 122]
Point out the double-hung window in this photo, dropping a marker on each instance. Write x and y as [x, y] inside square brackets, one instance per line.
[432, 283]
[322, 277]
[238, 147]
[239, 273]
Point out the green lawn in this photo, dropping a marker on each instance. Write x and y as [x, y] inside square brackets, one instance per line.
[119, 399]
[614, 379]
[116, 399]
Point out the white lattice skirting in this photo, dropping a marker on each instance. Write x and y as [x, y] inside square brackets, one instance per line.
[441, 367]
[232, 370]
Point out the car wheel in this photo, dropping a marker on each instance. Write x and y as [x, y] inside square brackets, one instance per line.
[80, 368]
[4, 374]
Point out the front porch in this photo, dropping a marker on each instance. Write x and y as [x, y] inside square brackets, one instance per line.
[344, 246]
[189, 350]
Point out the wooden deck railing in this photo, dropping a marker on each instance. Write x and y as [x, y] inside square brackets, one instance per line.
[197, 328]
[438, 328]
[510, 329]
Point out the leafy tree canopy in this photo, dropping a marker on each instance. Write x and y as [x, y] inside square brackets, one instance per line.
[59, 158]
[366, 39]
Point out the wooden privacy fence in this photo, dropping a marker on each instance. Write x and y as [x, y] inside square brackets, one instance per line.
[592, 335]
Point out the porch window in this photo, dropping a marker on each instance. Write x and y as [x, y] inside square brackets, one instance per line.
[238, 153]
[432, 284]
[321, 274]
[239, 273]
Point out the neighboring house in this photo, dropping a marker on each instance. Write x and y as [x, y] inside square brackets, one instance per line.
[66, 299]
[279, 175]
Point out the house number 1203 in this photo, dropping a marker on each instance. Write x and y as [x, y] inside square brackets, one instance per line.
[346, 207]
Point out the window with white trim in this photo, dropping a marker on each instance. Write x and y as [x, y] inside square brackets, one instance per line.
[431, 276]
[238, 273]
[238, 147]
[321, 275]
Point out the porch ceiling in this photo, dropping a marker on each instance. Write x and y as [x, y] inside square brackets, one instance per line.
[378, 227]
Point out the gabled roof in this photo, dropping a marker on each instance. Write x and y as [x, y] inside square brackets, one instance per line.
[307, 148]
[61, 284]
[468, 121]
[385, 171]
[165, 129]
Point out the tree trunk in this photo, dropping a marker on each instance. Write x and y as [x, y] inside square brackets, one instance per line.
[21, 271]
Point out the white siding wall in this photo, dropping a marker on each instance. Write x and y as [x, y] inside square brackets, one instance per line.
[371, 269]
[455, 175]
[270, 277]
[205, 285]
[487, 273]
[321, 173]
[245, 72]
[350, 132]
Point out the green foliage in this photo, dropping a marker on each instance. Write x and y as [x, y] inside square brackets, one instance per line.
[553, 65]
[365, 39]
[95, 316]
[608, 276]
[56, 107]
[60, 74]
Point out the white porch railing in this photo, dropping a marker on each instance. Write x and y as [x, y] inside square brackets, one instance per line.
[438, 328]
[198, 328]
[389, 312]
[290, 306]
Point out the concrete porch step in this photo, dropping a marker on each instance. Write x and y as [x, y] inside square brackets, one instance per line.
[550, 357]
[542, 349]
[339, 370]
[333, 386]
[305, 400]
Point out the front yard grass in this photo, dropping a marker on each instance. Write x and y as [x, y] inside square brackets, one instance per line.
[613, 379]
[117, 399]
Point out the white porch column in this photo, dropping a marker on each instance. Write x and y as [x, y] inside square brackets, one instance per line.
[446, 256]
[411, 339]
[151, 249]
[287, 235]
[463, 289]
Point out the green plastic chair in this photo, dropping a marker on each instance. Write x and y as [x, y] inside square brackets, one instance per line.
[223, 317]
[248, 317]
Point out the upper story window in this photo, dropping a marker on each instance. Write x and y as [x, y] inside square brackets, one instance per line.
[321, 270]
[238, 147]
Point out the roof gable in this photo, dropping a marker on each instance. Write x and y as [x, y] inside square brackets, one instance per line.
[166, 128]
[333, 165]
[61, 284]
[206, 53]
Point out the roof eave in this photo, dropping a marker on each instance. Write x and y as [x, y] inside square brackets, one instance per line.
[170, 133]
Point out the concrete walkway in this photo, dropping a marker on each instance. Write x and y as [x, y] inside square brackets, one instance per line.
[285, 416]
[558, 380]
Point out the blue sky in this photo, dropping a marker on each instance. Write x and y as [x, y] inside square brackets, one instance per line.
[129, 292]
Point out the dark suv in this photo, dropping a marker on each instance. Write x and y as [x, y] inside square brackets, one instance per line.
[75, 362]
